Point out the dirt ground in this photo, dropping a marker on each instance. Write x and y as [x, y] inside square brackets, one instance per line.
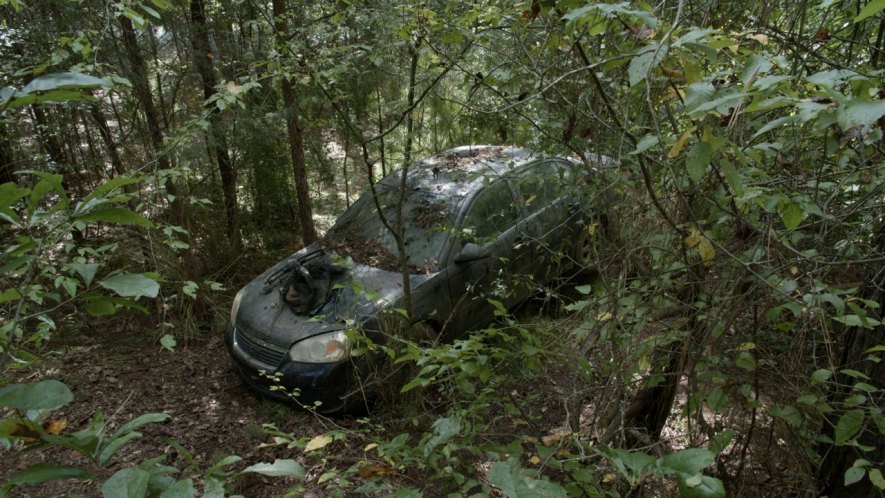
[212, 413]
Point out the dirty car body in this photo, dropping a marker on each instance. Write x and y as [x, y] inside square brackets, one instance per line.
[474, 217]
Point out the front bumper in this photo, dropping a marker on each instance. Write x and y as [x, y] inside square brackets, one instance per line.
[332, 385]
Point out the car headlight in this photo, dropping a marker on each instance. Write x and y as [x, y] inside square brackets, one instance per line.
[324, 348]
[236, 306]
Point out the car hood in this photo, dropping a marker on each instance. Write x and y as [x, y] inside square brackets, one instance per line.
[357, 294]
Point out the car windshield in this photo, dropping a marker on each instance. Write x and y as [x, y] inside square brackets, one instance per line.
[360, 234]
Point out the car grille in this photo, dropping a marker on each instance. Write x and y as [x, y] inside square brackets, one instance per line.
[257, 349]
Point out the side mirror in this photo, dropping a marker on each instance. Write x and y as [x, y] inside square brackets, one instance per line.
[471, 252]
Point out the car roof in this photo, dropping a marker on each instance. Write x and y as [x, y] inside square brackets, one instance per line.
[456, 173]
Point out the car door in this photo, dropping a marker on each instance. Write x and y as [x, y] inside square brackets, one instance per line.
[544, 193]
[487, 240]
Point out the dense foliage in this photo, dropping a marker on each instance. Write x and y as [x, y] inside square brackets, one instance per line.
[730, 334]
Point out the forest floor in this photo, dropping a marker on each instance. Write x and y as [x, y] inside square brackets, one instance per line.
[120, 369]
[125, 373]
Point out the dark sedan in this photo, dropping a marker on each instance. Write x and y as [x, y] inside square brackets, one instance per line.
[478, 222]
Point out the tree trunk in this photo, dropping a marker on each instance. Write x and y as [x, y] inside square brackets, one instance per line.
[139, 79]
[858, 340]
[7, 158]
[217, 138]
[108, 138]
[296, 136]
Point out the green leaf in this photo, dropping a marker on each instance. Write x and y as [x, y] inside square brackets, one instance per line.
[700, 486]
[126, 483]
[140, 421]
[792, 214]
[110, 186]
[10, 295]
[514, 483]
[854, 474]
[821, 375]
[646, 59]
[118, 215]
[776, 123]
[789, 413]
[42, 472]
[100, 306]
[279, 467]
[444, 429]
[877, 479]
[111, 448]
[63, 81]
[859, 112]
[697, 160]
[168, 342]
[690, 460]
[181, 489]
[131, 285]
[11, 193]
[848, 426]
[870, 10]
[43, 395]
[646, 143]
[86, 271]
[134, 16]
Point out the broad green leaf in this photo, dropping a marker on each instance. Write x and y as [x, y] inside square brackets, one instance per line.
[700, 486]
[63, 81]
[870, 10]
[181, 489]
[86, 271]
[698, 93]
[42, 472]
[690, 460]
[697, 160]
[646, 143]
[756, 65]
[110, 186]
[131, 285]
[788, 413]
[168, 341]
[646, 59]
[877, 479]
[515, 483]
[289, 468]
[821, 375]
[631, 464]
[792, 214]
[776, 123]
[10, 295]
[831, 78]
[118, 215]
[100, 306]
[853, 475]
[43, 395]
[848, 426]
[111, 448]
[140, 421]
[11, 193]
[858, 112]
[444, 429]
[134, 16]
[720, 104]
[126, 483]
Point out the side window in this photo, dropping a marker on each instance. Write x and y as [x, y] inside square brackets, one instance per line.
[540, 185]
[491, 213]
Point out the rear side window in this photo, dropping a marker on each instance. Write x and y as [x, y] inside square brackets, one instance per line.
[491, 213]
[540, 185]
